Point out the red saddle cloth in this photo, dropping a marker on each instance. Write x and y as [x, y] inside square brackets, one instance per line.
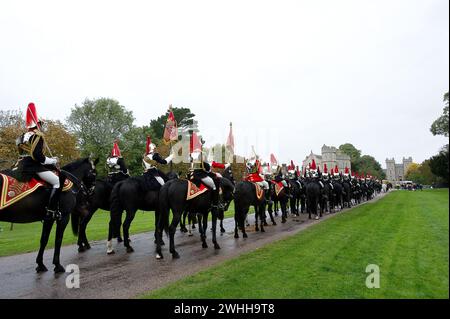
[254, 178]
[193, 190]
[12, 190]
[278, 187]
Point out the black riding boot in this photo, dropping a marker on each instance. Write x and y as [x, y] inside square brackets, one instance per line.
[53, 205]
[267, 193]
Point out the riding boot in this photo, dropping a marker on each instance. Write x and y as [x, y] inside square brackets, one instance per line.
[53, 205]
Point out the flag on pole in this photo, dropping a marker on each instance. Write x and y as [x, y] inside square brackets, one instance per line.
[171, 129]
[273, 160]
[230, 140]
[195, 144]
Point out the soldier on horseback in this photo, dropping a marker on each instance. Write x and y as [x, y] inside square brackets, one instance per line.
[201, 169]
[153, 176]
[117, 170]
[32, 160]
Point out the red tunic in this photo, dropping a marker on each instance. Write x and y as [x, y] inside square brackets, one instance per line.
[217, 165]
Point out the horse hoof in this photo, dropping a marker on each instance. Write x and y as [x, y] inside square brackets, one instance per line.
[265, 224]
[283, 220]
[110, 252]
[256, 229]
[204, 245]
[41, 268]
[119, 239]
[81, 249]
[59, 269]
[175, 255]
[190, 234]
[222, 230]
[236, 236]
[263, 230]
[87, 246]
[216, 246]
[159, 256]
[274, 224]
[245, 235]
[317, 217]
[130, 249]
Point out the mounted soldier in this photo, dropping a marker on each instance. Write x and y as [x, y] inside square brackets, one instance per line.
[201, 169]
[117, 170]
[32, 161]
[154, 178]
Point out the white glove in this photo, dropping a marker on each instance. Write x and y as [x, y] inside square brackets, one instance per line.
[227, 165]
[50, 161]
[169, 158]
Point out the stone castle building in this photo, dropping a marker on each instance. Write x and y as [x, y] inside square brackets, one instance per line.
[330, 156]
[396, 172]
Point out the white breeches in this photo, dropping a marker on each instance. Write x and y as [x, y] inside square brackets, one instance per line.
[50, 178]
[160, 180]
[264, 185]
[208, 181]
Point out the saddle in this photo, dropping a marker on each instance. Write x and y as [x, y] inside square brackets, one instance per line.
[194, 190]
[13, 190]
[278, 187]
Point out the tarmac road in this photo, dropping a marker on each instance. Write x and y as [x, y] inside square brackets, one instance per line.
[125, 275]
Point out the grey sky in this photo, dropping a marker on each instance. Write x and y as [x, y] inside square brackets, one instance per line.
[305, 73]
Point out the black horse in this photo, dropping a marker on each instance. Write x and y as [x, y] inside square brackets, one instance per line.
[283, 198]
[313, 195]
[172, 196]
[326, 198]
[131, 195]
[32, 208]
[295, 191]
[338, 194]
[98, 199]
[244, 197]
[347, 198]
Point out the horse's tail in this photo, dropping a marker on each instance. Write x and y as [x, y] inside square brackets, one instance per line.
[116, 208]
[75, 222]
[164, 209]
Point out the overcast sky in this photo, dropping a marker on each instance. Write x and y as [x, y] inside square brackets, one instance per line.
[290, 75]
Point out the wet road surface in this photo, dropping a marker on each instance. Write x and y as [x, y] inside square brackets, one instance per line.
[125, 275]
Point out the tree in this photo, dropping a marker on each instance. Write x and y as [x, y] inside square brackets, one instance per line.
[11, 117]
[440, 126]
[355, 154]
[369, 165]
[421, 173]
[97, 123]
[184, 117]
[439, 164]
[61, 142]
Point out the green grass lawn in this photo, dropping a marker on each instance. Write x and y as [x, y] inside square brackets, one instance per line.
[25, 237]
[406, 234]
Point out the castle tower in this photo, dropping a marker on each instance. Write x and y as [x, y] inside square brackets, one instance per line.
[328, 156]
[390, 170]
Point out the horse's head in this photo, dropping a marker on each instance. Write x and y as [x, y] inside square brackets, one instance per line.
[85, 173]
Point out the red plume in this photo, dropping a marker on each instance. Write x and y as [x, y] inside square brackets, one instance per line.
[313, 165]
[325, 170]
[346, 170]
[336, 169]
[147, 147]
[115, 151]
[31, 119]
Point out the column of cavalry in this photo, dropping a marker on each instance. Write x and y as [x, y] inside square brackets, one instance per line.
[209, 187]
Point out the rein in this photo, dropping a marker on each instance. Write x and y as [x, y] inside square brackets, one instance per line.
[76, 181]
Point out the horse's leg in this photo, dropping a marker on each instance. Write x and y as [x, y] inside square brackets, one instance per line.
[269, 210]
[83, 242]
[130, 213]
[222, 229]
[262, 213]
[60, 227]
[46, 229]
[256, 217]
[109, 246]
[283, 210]
[202, 226]
[190, 222]
[183, 222]
[213, 226]
[172, 229]
[236, 234]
